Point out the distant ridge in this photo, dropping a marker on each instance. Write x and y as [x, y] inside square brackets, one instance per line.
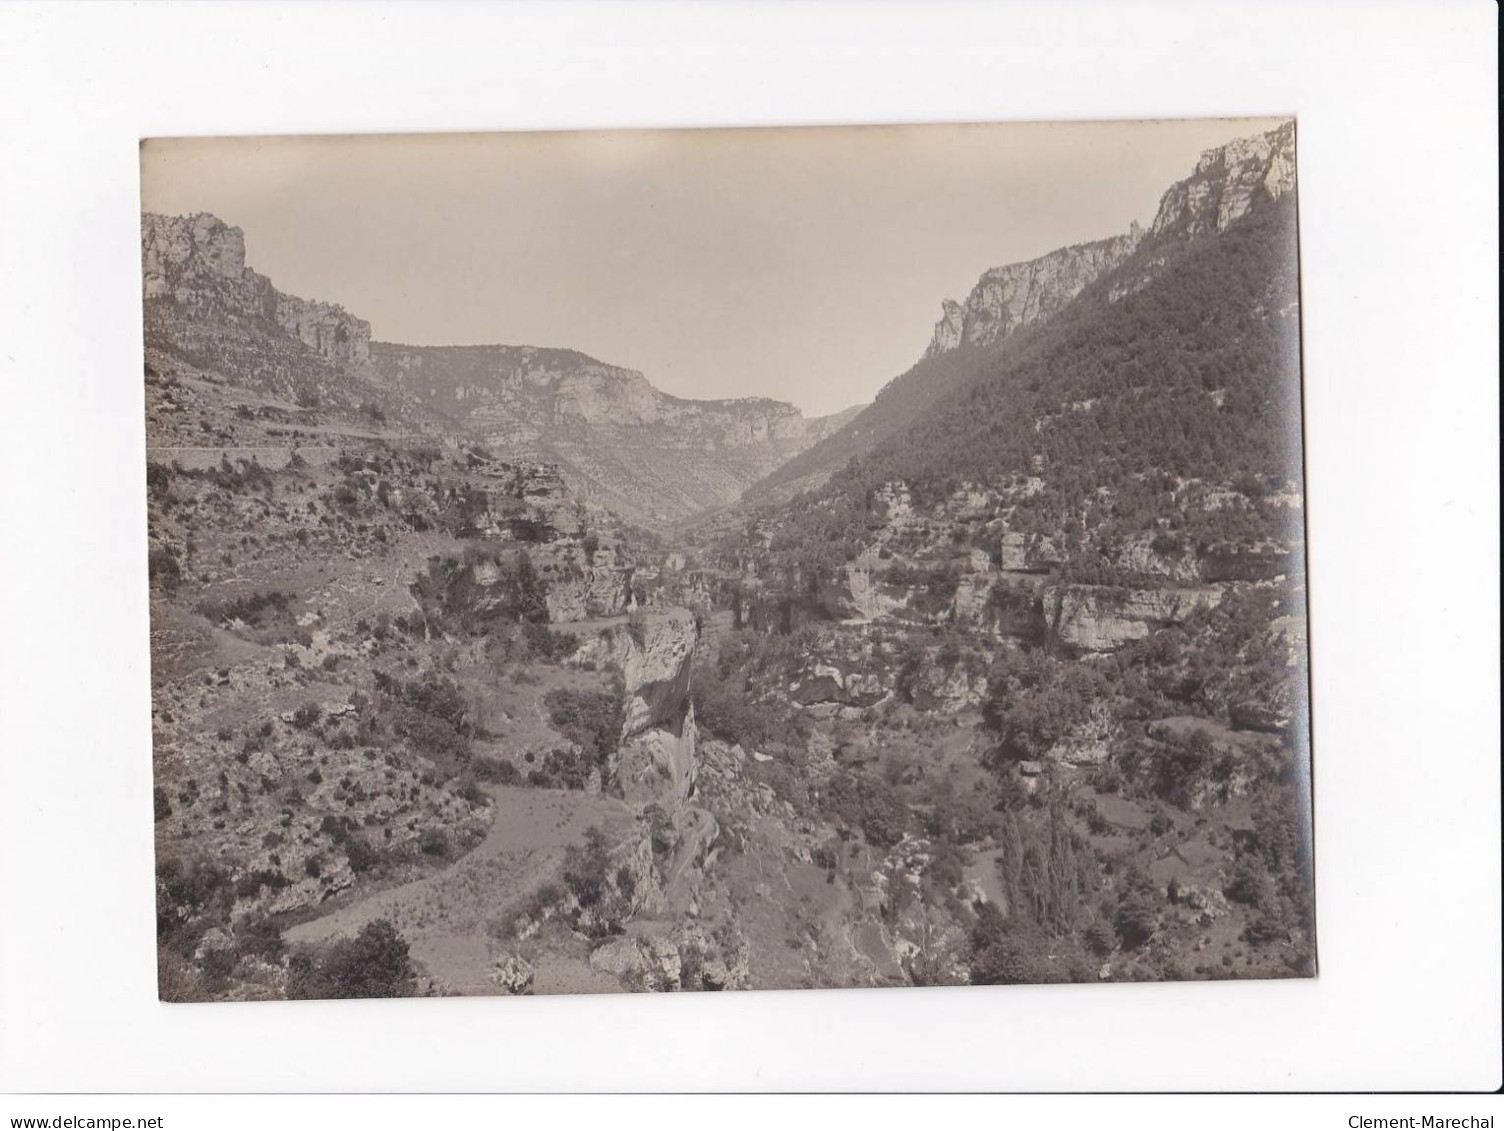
[620, 441]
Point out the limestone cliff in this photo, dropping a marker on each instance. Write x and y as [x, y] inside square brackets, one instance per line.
[1006, 298]
[1094, 618]
[656, 760]
[949, 330]
[619, 441]
[622, 442]
[1227, 182]
[198, 262]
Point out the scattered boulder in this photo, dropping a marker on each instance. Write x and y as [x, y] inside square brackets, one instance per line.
[639, 964]
[513, 975]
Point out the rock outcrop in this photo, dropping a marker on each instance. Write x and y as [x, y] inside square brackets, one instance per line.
[1227, 182]
[1006, 298]
[1225, 185]
[822, 680]
[324, 328]
[594, 591]
[869, 598]
[949, 330]
[660, 763]
[513, 975]
[656, 667]
[177, 249]
[620, 441]
[1022, 553]
[657, 757]
[640, 963]
[1095, 618]
[198, 262]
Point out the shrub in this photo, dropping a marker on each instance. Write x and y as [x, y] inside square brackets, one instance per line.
[431, 713]
[375, 963]
[497, 770]
[1004, 954]
[1135, 920]
[1098, 939]
[1036, 701]
[603, 894]
[158, 481]
[363, 858]
[1250, 884]
[163, 569]
[871, 805]
[249, 885]
[189, 899]
[217, 965]
[449, 593]
[564, 769]
[258, 936]
[547, 644]
[660, 830]
[590, 719]
[253, 609]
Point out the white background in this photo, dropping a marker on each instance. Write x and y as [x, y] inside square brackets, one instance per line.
[1399, 241]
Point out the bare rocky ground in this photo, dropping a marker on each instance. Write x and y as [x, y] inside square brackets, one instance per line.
[339, 742]
[281, 769]
[429, 720]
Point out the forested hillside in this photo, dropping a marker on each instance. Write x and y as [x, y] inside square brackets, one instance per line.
[1114, 406]
[1003, 680]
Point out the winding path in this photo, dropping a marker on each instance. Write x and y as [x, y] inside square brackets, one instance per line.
[444, 916]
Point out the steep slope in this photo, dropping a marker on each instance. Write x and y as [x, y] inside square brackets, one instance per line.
[1045, 640]
[1006, 298]
[620, 441]
[1226, 184]
[1094, 428]
[204, 306]
[1015, 696]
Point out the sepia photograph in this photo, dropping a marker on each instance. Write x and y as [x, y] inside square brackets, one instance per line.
[901, 563]
[726, 559]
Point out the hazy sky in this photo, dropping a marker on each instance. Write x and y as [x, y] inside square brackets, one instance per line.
[806, 265]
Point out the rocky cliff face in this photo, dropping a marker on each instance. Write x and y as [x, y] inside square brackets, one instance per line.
[1225, 185]
[618, 440]
[175, 250]
[1227, 182]
[1095, 618]
[525, 391]
[198, 263]
[657, 758]
[949, 330]
[621, 441]
[1006, 298]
